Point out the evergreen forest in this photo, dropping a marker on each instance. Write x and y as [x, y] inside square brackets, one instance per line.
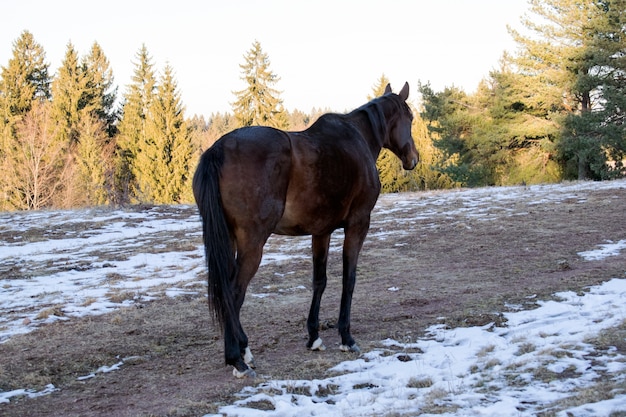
[553, 110]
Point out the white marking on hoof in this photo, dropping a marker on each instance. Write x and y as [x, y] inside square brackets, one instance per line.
[248, 358]
[249, 373]
[354, 348]
[318, 345]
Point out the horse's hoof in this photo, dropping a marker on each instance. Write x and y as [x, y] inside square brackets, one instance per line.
[248, 373]
[354, 348]
[318, 345]
[251, 363]
[249, 359]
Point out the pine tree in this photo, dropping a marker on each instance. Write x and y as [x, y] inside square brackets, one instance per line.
[594, 138]
[259, 102]
[490, 137]
[563, 73]
[451, 126]
[132, 126]
[162, 164]
[522, 139]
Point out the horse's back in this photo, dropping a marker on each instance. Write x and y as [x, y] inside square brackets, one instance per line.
[296, 183]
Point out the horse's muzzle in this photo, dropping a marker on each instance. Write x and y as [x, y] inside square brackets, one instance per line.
[410, 161]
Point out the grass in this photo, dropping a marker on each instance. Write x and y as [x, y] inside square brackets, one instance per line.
[420, 383]
[51, 311]
[611, 339]
[119, 296]
[525, 348]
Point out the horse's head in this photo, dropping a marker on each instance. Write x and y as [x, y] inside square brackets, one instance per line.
[399, 139]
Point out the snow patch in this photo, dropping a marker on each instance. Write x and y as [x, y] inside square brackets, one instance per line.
[604, 251]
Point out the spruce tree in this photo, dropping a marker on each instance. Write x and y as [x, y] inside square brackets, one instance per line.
[22, 81]
[101, 93]
[83, 100]
[25, 78]
[94, 164]
[162, 164]
[259, 103]
[132, 126]
[68, 92]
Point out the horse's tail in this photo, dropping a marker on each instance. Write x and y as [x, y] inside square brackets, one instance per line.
[218, 244]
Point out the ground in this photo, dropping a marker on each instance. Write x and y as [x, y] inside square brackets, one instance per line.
[451, 257]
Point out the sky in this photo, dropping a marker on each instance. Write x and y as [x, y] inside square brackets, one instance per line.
[329, 54]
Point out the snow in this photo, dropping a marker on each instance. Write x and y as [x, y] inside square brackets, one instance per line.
[540, 357]
[84, 282]
[475, 371]
[606, 249]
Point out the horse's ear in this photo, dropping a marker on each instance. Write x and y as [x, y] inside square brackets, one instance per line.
[387, 89]
[404, 93]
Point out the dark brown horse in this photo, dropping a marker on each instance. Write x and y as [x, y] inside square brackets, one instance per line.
[256, 181]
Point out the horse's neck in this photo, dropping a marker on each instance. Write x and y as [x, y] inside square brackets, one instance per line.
[363, 123]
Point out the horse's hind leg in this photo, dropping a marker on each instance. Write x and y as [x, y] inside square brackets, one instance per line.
[238, 352]
[355, 235]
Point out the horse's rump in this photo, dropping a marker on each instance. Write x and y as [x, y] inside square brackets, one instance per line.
[254, 178]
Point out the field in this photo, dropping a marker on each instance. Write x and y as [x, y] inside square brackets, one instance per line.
[103, 312]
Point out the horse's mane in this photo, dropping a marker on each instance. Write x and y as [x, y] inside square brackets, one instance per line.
[375, 112]
[373, 109]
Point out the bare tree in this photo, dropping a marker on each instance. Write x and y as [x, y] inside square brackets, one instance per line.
[35, 163]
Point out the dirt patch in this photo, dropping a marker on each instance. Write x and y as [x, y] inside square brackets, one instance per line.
[463, 264]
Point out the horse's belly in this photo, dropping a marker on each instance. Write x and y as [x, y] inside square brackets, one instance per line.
[291, 224]
[305, 218]
[290, 230]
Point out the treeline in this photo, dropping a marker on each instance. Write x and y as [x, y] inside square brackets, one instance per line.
[553, 110]
[67, 142]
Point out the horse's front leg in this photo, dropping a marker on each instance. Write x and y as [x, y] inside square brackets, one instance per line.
[354, 237]
[320, 260]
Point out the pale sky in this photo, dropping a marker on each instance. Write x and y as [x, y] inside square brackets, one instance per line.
[328, 53]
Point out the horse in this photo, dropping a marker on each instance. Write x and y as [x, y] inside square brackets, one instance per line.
[256, 181]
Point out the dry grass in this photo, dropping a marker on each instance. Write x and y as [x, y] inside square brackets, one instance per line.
[420, 383]
[52, 311]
